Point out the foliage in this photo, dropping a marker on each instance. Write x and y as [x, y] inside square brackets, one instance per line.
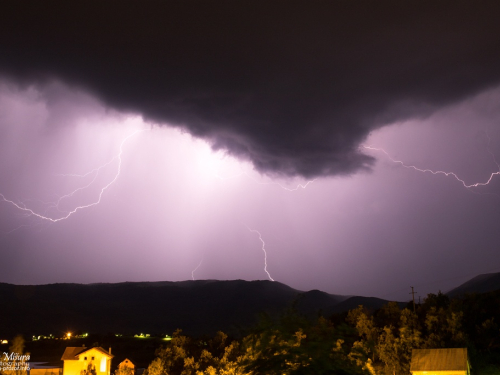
[185, 356]
[390, 345]
[388, 315]
[370, 343]
[292, 345]
[125, 370]
[384, 343]
[296, 345]
[368, 333]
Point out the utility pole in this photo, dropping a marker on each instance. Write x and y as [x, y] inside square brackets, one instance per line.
[413, 295]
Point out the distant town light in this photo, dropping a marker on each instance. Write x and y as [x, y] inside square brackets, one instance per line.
[5, 342]
[68, 335]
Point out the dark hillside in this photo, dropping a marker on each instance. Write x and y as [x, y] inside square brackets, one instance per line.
[198, 307]
[372, 303]
[487, 282]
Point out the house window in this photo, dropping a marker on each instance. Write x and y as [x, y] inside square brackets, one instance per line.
[103, 365]
[93, 358]
[84, 358]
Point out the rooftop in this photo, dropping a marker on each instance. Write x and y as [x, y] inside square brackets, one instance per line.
[439, 359]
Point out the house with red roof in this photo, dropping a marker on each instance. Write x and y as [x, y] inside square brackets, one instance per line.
[86, 361]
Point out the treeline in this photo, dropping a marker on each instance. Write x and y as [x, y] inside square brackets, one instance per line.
[358, 342]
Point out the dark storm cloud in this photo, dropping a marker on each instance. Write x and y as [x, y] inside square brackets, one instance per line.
[292, 86]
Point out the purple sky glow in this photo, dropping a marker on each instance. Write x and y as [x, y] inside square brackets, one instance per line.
[177, 202]
[223, 143]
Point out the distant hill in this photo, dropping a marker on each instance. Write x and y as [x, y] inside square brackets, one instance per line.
[488, 282]
[197, 307]
[371, 303]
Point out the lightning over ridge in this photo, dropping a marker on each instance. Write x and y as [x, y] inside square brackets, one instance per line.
[193, 271]
[263, 249]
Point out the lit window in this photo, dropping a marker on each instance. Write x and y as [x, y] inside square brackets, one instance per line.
[103, 365]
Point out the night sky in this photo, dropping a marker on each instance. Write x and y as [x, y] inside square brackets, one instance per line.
[156, 141]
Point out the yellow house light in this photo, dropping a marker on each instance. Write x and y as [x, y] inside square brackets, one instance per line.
[103, 364]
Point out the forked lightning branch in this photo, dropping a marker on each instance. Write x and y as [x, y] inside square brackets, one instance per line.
[23, 208]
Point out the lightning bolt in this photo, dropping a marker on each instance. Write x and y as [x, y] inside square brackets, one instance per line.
[198, 266]
[447, 174]
[96, 174]
[22, 207]
[263, 249]
[94, 171]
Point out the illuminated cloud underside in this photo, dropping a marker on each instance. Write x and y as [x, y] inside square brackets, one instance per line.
[176, 202]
